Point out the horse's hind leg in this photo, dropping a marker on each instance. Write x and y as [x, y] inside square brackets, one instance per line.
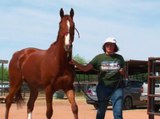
[9, 99]
[31, 101]
[71, 97]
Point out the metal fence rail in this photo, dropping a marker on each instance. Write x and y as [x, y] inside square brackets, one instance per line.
[153, 77]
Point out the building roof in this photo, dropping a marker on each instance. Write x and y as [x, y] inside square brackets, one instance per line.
[136, 66]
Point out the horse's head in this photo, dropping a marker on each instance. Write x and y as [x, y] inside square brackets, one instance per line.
[67, 29]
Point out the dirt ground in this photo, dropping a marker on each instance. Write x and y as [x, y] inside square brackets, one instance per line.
[62, 110]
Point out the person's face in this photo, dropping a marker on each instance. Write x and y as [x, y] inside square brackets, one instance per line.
[110, 48]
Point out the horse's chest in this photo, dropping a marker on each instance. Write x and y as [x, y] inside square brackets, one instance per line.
[64, 80]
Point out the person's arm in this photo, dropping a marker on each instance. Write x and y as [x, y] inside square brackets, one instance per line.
[82, 67]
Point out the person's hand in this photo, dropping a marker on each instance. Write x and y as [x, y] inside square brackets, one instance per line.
[72, 62]
[121, 71]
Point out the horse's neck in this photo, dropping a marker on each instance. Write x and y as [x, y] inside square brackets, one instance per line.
[57, 49]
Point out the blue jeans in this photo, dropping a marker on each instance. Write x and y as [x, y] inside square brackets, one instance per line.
[104, 94]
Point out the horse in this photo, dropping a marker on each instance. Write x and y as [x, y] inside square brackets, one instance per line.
[47, 69]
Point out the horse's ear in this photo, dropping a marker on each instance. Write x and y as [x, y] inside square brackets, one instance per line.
[61, 12]
[72, 12]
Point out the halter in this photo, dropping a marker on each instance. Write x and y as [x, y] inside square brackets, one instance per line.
[65, 34]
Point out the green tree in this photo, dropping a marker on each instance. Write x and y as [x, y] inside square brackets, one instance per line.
[5, 74]
[83, 76]
[79, 59]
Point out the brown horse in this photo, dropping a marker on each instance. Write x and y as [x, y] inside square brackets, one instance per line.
[48, 69]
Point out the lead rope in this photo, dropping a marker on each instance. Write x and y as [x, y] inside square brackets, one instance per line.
[85, 91]
[77, 33]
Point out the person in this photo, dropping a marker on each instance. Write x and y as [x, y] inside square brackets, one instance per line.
[111, 69]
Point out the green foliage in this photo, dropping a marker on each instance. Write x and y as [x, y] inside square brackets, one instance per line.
[83, 76]
[79, 59]
[141, 77]
[86, 77]
[5, 74]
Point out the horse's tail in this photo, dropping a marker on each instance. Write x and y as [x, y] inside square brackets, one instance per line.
[19, 100]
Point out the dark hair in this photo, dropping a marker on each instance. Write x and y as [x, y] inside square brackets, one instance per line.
[115, 50]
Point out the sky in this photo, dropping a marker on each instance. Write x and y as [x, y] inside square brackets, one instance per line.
[34, 23]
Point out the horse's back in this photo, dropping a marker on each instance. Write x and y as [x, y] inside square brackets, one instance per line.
[20, 56]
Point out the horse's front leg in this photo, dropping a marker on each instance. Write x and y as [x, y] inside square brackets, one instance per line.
[31, 101]
[71, 97]
[49, 97]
